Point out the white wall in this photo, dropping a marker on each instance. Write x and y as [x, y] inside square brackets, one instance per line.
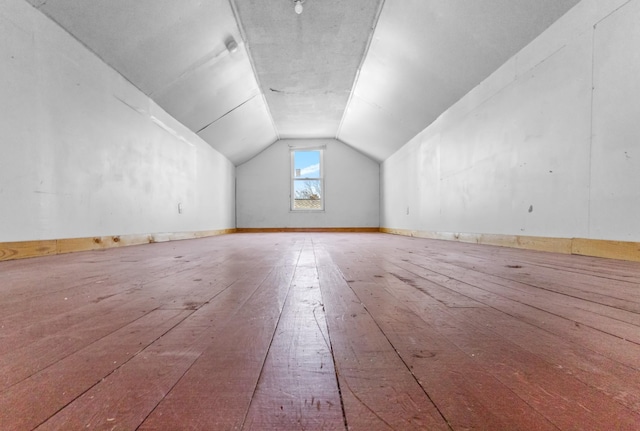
[549, 145]
[351, 189]
[84, 153]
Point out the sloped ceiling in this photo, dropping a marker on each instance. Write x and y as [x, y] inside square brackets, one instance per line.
[307, 63]
[426, 54]
[371, 73]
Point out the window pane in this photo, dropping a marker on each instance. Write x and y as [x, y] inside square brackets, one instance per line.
[307, 181]
[306, 164]
[308, 194]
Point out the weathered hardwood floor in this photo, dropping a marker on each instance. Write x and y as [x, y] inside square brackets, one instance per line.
[315, 331]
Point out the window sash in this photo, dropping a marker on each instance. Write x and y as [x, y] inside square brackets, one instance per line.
[314, 183]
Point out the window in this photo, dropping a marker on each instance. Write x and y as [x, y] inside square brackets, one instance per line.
[307, 182]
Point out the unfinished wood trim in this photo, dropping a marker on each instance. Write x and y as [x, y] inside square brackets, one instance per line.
[26, 249]
[21, 250]
[307, 229]
[556, 245]
[620, 250]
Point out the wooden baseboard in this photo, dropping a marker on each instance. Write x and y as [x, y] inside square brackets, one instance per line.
[555, 245]
[25, 249]
[620, 250]
[307, 229]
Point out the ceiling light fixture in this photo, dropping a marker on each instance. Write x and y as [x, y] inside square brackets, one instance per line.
[298, 6]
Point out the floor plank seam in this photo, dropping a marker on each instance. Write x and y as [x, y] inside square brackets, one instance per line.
[90, 387]
[264, 361]
[514, 280]
[399, 356]
[336, 372]
[80, 349]
[151, 411]
[461, 350]
[177, 381]
[587, 383]
[529, 264]
[327, 341]
[527, 305]
[516, 301]
[581, 380]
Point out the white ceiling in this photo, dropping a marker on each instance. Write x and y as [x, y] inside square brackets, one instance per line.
[371, 73]
[307, 64]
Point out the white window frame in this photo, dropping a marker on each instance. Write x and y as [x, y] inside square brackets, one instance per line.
[292, 174]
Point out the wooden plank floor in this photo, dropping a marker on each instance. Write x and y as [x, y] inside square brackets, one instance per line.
[319, 331]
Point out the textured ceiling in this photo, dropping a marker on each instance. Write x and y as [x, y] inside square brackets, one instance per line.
[307, 63]
[372, 73]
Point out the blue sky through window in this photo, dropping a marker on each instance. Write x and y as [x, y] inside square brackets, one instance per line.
[308, 162]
